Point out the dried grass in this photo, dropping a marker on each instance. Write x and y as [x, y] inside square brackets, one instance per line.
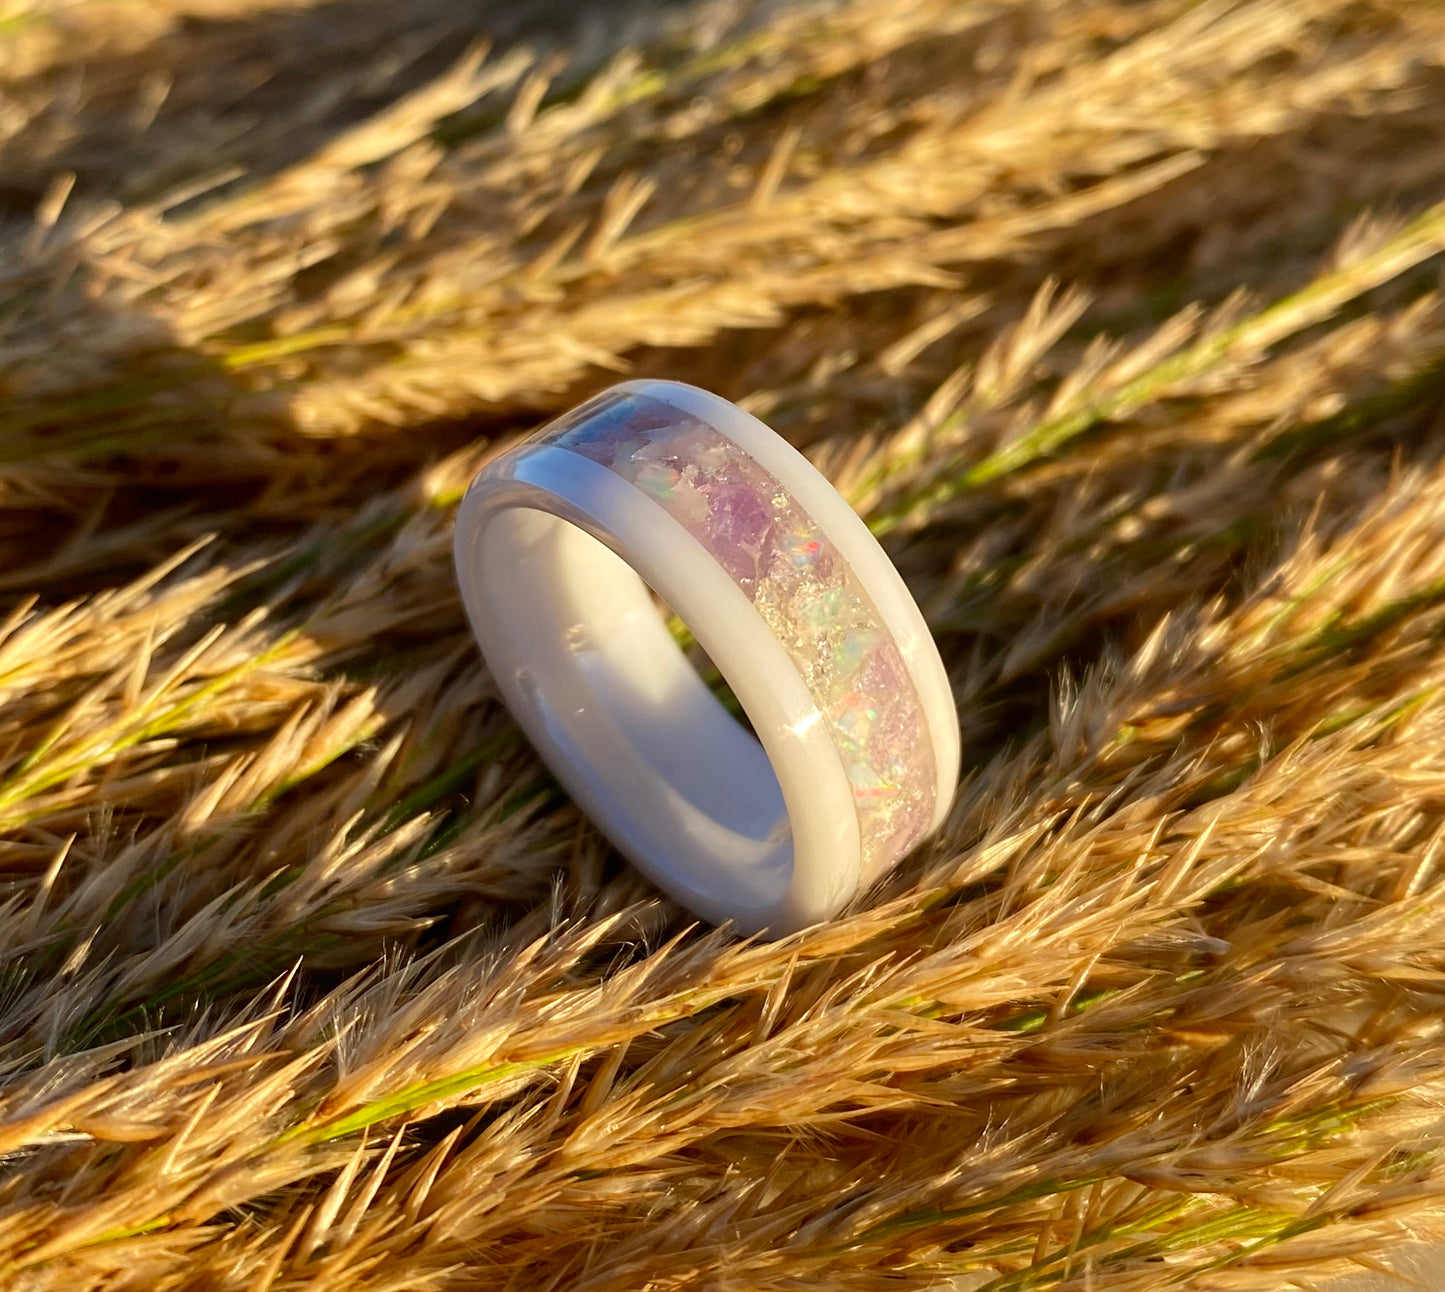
[1122, 325]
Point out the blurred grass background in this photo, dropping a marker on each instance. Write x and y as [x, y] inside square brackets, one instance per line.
[1120, 322]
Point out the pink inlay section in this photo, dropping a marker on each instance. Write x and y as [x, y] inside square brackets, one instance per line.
[800, 584]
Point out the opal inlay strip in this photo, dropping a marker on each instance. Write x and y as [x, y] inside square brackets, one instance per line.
[799, 583]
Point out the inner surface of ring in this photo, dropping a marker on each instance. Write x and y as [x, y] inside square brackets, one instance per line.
[652, 753]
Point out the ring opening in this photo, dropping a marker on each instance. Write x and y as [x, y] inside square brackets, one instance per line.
[637, 737]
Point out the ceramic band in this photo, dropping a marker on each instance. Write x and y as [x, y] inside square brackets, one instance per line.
[662, 484]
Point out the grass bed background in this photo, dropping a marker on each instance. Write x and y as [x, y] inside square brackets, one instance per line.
[1120, 322]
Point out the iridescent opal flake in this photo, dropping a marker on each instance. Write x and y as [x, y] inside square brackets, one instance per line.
[801, 585]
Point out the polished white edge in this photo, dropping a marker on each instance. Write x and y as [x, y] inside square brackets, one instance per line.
[853, 539]
[815, 789]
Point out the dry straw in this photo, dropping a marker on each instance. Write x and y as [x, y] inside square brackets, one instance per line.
[1122, 325]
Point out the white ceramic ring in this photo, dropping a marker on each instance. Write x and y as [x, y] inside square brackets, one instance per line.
[662, 484]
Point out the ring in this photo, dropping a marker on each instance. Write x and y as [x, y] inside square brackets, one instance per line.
[659, 485]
